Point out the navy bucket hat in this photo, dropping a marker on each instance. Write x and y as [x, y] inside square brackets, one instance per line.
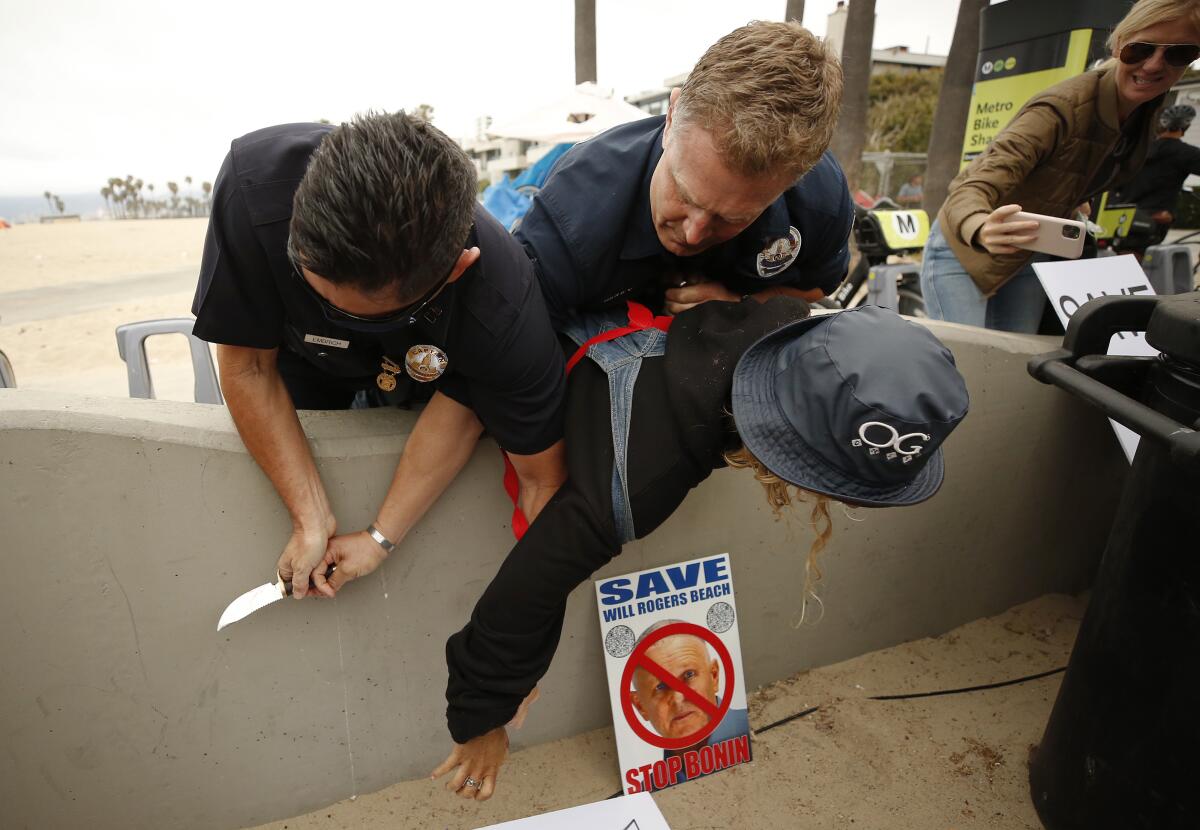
[853, 405]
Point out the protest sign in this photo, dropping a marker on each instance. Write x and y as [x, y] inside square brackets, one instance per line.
[637, 813]
[1071, 284]
[674, 662]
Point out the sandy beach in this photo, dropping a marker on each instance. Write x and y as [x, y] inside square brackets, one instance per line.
[955, 761]
[64, 288]
[950, 762]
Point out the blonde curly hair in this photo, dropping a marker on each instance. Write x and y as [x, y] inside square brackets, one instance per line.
[781, 494]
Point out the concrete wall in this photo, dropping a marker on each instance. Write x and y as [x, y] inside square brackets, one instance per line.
[126, 526]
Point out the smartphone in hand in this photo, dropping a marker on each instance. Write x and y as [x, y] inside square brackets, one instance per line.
[1058, 237]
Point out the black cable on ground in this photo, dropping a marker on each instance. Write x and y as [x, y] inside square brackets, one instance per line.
[788, 719]
[983, 687]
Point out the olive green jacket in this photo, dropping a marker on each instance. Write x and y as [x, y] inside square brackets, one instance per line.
[1044, 161]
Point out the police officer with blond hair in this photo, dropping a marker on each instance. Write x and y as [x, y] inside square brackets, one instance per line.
[731, 193]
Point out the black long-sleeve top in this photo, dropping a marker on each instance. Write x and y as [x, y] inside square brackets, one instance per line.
[1168, 164]
[679, 428]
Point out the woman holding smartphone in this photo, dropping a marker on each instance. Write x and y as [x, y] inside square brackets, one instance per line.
[1068, 144]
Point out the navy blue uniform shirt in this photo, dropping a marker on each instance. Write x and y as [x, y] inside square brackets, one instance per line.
[505, 362]
[591, 235]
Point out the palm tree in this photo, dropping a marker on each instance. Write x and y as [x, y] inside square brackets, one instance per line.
[120, 192]
[47, 195]
[795, 11]
[954, 102]
[849, 136]
[207, 188]
[58, 204]
[106, 192]
[130, 196]
[585, 41]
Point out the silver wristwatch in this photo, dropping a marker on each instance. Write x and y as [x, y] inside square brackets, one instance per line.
[384, 542]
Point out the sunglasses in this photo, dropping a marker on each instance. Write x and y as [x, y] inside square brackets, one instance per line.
[406, 316]
[1175, 54]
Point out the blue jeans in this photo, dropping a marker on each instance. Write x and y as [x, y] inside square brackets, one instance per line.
[950, 293]
[621, 359]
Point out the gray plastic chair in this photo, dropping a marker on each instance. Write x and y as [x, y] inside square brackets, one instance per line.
[8, 380]
[131, 343]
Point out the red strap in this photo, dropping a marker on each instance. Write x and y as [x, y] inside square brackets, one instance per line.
[512, 486]
[640, 318]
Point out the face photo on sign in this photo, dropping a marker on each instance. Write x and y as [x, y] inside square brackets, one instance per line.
[668, 711]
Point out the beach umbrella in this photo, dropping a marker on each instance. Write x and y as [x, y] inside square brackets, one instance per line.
[580, 114]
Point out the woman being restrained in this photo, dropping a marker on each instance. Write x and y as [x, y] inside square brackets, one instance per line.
[850, 406]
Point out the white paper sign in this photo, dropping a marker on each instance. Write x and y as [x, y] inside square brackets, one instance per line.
[636, 813]
[1071, 284]
[675, 681]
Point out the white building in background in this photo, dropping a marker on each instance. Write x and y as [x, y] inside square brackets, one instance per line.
[892, 59]
[900, 59]
[496, 157]
[655, 101]
[505, 148]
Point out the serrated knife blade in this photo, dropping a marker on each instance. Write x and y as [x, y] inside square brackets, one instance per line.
[261, 597]
[251, 601]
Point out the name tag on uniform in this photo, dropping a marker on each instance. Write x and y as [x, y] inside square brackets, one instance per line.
[326, 341]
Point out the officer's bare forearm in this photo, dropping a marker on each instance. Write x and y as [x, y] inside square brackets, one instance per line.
[540, 475]
[266, 419]
[441, 442]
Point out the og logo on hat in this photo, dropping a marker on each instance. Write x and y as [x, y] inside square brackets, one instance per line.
[854, 405]
[894, 439]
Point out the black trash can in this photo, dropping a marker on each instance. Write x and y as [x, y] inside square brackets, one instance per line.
[1122, 746]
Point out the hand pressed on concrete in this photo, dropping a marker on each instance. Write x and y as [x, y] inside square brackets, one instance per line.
[479, 759]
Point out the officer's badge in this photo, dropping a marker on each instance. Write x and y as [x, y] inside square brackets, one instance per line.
[781, 253]
[425, 363]
[387, 378]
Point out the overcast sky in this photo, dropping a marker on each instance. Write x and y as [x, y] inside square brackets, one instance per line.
[90, 90]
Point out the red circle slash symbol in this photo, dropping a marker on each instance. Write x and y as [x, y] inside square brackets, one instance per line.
[638, 659]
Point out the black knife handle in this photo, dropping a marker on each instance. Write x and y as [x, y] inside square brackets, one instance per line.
[287, 583]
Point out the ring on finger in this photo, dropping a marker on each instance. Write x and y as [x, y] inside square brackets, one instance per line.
[472, 783]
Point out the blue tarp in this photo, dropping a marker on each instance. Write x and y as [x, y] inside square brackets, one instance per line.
[504, 202]
[509, 199]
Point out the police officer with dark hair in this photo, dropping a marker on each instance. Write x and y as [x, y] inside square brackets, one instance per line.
[353, 259]
[1168, 164]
